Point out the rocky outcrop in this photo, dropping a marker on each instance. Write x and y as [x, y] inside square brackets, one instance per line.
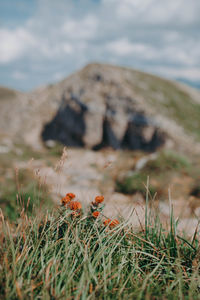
[104, 105]
[68, 125]
[116, 123]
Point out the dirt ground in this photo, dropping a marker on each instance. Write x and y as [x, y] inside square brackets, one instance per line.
[89, 173]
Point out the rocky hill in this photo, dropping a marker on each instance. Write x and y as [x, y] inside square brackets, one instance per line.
[99, 106]
[104, 105]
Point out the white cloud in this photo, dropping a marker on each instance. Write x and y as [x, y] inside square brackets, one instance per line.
[19, 75]
[14, 43]
[80, 29]
[155, 11]
[123, 47]
[120, 47]
[67, 48]
[70, 37]
[128, 8]
[145, 34]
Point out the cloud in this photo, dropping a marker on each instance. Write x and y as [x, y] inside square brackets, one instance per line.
[61, 36]
[124, 47]
[14, 43]
[121, 47]
[84, 29]
[156, 12]
[19, 75]
[70, 37]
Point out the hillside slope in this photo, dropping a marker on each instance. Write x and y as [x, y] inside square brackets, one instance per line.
[99, 101]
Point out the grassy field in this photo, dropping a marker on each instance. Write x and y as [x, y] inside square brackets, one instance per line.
[169, 100]
[21, 181]
[163, 171]
[78, 253]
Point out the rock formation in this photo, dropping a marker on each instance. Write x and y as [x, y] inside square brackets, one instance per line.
[103, 105]
[117, 124]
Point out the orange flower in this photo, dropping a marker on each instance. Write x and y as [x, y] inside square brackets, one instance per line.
[114, 223]
[70, 195]
[111, 223]
[75, 205]
[107, 222]
[65, 200]
[99, 199]
[95, 214]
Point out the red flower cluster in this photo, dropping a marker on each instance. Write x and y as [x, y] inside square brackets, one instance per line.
[75, 205]
[65, 200]
[71, 195]
[68, 197]
[95, 214]
[96, 208]
[99, 199]
[111, 223]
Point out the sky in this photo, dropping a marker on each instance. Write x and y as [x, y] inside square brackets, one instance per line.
[43, 41]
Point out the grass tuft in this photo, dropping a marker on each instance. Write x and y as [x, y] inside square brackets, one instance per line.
[73, 254]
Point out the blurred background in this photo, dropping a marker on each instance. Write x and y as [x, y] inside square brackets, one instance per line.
[117, 83]
[43, 41]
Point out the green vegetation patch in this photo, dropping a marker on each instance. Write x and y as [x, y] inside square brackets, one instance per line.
[67, 256]
[168, 161]
[56, 150]
[23, 192]
[20, 187]
[134, 183]
[169, 100]
[162, 168]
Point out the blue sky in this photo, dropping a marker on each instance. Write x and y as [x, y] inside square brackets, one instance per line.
[43, 41]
